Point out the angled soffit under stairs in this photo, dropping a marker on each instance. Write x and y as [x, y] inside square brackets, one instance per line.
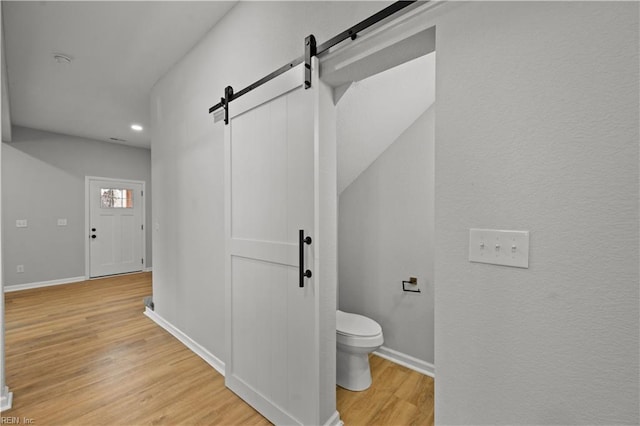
[374, 112]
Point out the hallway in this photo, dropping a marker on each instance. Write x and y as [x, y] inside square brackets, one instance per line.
[85, 354]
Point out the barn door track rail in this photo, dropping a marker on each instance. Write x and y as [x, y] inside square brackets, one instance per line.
[311, 49]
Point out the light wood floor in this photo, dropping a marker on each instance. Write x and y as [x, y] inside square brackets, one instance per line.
[85, 354]
[397, 396]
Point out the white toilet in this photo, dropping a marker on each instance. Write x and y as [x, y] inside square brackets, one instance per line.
[356, 337]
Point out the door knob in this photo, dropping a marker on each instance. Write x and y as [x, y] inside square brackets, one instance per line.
[93, 236]
[93, 229]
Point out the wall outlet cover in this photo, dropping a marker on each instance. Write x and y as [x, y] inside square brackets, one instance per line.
[499, 247]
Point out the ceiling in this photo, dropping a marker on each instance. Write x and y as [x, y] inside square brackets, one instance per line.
[118, 50]
[375, 111]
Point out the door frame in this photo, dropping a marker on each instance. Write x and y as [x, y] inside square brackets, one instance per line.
[87, 219]
[410, 35]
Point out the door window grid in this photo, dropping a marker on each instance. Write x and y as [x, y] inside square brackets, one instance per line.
[116, 198]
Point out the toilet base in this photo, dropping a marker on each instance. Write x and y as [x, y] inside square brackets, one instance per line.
[352, 371]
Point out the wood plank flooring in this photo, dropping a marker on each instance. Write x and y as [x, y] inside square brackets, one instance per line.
[85, 354]
[397, 396]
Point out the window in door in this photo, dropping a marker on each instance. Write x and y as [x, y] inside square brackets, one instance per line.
[115, 198]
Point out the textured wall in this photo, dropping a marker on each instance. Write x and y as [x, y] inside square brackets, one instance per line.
[537, 129]
[386, 235]
[2, 132]
[43, 178]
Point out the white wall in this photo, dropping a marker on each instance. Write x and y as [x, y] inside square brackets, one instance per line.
[537, 129]
[4, 102]
[366, 126]
[43, 180]
[5, 117]
[4, 395]
[386, 235]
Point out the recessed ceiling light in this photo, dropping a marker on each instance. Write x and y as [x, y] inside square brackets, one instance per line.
[62, 59]
[136, 127]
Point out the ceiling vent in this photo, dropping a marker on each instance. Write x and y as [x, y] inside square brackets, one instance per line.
[62, 59]
[117, 140]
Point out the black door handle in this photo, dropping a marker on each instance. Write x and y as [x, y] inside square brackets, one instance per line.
[302, 240]
[93, 236]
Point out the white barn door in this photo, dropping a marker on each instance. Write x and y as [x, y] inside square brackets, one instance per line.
[273, 325]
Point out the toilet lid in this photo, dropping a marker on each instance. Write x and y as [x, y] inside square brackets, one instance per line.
[356, 325]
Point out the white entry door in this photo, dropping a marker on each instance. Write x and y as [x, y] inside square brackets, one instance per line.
[273, 184]
[115, 227]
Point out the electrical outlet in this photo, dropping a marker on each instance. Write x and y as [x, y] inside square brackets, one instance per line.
[21, 223]
[62, 222]
[20, 269]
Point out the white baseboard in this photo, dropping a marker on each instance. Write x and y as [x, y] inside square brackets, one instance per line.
[27, 286]
[334, 420]
[149, 269]
[196, 348]
[405, 360]
[6, 398]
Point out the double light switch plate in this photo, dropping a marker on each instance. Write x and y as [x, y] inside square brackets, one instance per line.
[497, 247]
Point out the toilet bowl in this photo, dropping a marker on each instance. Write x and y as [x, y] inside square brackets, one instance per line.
[356, 337]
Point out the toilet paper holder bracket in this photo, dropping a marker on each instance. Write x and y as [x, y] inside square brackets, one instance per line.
[414, 282]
